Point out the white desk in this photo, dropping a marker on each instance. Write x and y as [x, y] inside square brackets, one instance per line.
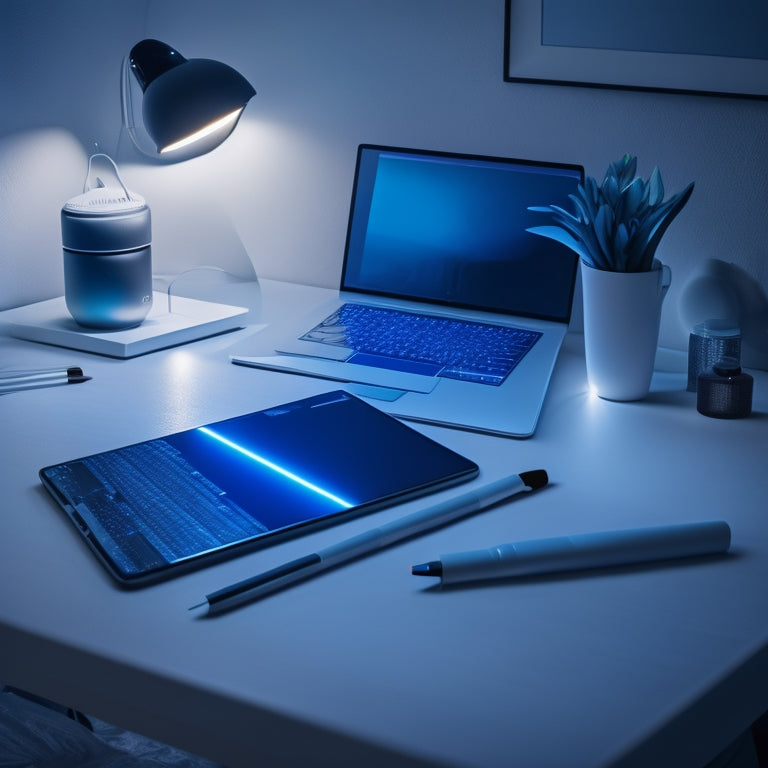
[367, 665]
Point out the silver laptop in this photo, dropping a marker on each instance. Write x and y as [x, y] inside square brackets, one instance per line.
[449, 312]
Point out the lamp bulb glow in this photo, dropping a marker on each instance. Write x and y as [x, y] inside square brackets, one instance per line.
[228, 122]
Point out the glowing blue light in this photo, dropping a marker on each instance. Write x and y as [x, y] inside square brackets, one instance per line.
[275, 467]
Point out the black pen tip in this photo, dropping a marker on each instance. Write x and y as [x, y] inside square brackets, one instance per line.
[78, 379]
[435, 568]
[536, 478]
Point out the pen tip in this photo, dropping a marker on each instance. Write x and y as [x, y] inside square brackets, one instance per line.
[199, 605]
[536, 478]
[435, 568]
[78, 379]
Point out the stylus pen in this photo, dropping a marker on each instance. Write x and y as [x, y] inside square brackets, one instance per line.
[20, 374]
[587, 550]
[17, 381]
[373, 540]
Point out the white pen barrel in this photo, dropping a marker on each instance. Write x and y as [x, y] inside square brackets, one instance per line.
[423, 520]
[370, 541]
[591, 550]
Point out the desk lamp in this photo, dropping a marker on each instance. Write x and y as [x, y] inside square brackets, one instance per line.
[189, 106]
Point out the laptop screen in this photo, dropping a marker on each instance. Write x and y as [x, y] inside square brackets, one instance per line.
[450, 229]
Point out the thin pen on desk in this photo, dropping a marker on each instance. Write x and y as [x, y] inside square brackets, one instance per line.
[372, 541]
[18, 380]
[39, 373]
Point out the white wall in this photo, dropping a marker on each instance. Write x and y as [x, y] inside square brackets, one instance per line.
[333, 73]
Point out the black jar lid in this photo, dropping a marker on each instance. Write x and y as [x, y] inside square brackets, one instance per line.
[727, 366]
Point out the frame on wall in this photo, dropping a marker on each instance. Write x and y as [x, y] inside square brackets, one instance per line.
[528, 60]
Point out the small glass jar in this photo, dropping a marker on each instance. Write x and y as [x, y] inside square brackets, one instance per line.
[707, 343]
[723, 391]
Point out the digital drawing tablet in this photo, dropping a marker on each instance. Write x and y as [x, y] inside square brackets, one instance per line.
[161, 507]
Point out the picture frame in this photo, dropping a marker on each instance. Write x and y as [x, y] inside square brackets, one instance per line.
[527, 59]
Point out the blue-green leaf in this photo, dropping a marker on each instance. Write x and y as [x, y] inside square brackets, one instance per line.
[563, 213]
[631, 200]
[604, 229]
[657, 223]
[655, 188]
[556, 233]
[610, 190]
[581, 207]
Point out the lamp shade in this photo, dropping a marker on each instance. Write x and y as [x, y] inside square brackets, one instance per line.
[190, 105]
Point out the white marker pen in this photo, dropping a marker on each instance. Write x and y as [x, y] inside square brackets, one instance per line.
[589, 550]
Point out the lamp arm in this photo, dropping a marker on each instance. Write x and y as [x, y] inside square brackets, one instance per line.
[127, 108]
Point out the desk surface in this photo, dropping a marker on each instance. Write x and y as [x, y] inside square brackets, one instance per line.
[365, 664]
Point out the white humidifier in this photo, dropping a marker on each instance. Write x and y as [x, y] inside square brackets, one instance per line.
[106, 238]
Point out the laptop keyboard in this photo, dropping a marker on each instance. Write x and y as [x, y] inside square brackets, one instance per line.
[456, 349]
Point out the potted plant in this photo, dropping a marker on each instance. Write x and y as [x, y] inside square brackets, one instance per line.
[615, 228]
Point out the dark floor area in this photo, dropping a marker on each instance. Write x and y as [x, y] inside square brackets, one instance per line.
[35, 733]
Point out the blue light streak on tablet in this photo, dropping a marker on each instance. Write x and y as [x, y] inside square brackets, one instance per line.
[276, 468]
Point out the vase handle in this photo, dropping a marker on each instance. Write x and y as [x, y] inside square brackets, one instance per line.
[666, 280]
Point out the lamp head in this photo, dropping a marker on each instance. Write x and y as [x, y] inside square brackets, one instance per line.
[190, 105]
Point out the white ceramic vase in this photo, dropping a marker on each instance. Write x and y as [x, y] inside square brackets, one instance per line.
[622, 313]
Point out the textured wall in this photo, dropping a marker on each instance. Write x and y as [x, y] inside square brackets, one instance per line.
[332, 74]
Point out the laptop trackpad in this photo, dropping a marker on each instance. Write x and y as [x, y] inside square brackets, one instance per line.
[341, 371]
[395, 364]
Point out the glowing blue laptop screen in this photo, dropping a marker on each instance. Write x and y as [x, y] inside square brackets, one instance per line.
[450, 229]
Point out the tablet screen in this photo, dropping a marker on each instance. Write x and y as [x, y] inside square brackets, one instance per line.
[150, 509]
